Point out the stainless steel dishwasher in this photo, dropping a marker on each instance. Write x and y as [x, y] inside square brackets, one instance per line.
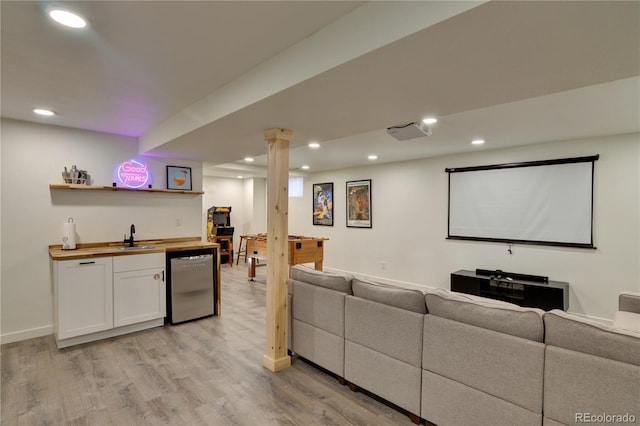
[192, 287]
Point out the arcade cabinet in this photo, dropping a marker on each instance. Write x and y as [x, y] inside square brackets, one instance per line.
[219, 230]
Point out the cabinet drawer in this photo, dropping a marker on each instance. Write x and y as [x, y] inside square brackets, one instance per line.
[134, 262]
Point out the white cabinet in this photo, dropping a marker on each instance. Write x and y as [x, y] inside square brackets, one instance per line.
[84, 296]
[102, 297]
[139, 292]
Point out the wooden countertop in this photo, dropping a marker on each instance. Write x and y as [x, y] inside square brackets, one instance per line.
[88, 250]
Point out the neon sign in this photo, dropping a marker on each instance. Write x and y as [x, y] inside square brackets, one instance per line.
[133, 174]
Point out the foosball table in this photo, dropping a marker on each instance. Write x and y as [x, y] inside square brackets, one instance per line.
[301, 250]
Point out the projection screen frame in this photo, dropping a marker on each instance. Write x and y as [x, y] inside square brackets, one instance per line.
[586, 159]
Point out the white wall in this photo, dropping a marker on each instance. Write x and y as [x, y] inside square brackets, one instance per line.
[246, 198]
[258, 206]
[32, 215]
[409, 218]
[410, 224]
[225, 192]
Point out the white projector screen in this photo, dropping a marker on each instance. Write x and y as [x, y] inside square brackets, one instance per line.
[539, 202]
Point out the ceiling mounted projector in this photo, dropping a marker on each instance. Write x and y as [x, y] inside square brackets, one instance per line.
[405, 132]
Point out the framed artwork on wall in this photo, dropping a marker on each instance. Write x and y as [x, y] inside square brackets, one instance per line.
[179, 178]
[359, 204]
[323, 204]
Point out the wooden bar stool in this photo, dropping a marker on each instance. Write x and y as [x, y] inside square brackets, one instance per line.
[242, 251]
[226, 247]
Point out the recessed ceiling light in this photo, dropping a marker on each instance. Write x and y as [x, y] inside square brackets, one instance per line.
[42, 111]
[372, 157]
[67, 18]
[239, 177]
[314, 145]
[477, 141]
[305, 167]
[248, 159]
[430, 120]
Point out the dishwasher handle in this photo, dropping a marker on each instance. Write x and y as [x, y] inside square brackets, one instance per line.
[196, 257]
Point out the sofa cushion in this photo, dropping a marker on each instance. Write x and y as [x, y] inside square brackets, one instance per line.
[318, 306]
[319, 346]
[582, 335]
[487, 313]
[383, 328]
[508, 367]
[384, 376]
[576, 382]
[448, 402]
[330, 280]
[403, 298]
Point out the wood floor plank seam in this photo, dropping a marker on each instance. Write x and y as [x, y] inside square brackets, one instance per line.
[206, 372]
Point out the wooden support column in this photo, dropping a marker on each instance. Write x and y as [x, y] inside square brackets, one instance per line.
[275, 357]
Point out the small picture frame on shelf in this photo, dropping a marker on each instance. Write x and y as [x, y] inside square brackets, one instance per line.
[179, 178]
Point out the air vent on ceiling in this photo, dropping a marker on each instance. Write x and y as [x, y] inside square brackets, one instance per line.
[409, 131]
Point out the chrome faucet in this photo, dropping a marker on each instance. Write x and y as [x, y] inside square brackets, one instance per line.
[130, 239]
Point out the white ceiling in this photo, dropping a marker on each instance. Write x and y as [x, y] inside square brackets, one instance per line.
[510, 72]
[141, 61]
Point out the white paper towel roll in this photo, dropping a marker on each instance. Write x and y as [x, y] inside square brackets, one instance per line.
[69, 235]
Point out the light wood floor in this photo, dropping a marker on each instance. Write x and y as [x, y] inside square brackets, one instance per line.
[205, 372]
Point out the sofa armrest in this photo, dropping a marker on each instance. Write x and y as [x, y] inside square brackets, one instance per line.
[629, 302]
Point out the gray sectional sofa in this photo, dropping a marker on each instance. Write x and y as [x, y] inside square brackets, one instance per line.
[455, 359]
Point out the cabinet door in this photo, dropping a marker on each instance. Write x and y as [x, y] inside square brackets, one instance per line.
[138, 296]
[84, 291]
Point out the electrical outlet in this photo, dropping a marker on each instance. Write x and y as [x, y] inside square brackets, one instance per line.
[383, 264]
[178, 221]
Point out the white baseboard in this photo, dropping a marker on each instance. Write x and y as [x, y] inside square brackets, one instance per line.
[47, 330]
[17, 336]
[118, 331]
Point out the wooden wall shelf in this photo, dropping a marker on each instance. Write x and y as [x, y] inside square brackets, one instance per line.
[119, 188]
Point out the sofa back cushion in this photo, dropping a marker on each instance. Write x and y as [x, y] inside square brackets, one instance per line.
[386, 329]
[487, 313]
[317, 306]
[582, 335]
[508, 367]
[403, 298]
[330, 280]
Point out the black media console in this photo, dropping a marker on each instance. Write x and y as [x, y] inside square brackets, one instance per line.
[524, 290]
